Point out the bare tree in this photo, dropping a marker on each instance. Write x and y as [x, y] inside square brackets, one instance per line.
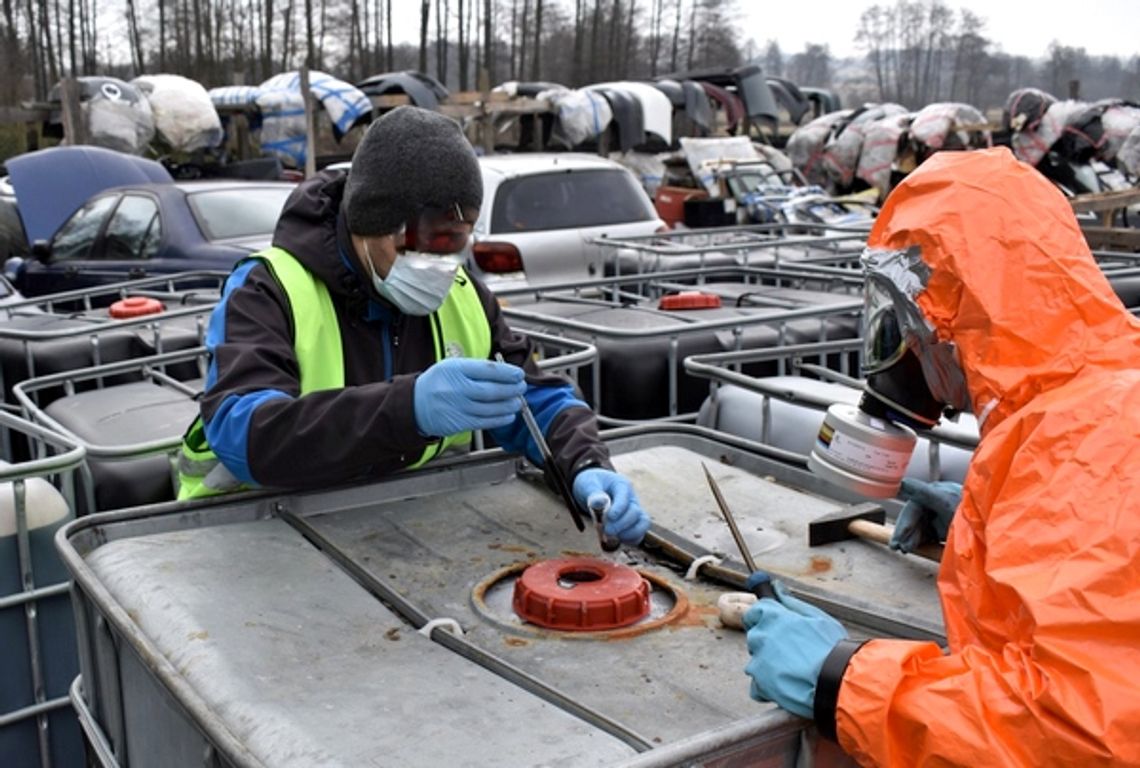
[46, 42]
[288, 37]
[488, 39]
[320, 61]
[869, 36]
[134, 40]
[812, 67]
[87, 35]
[773, 59]
[356, 43]
[13, 60]
[630, 41]
[441, 12]
[676, 39]
[463, 37]
[425, 9]
[310, 40]
[1064, 63]
[656, 12]
[594, 55]
[969, 53]
[536, 62]
[267, 43]
[614, 26]
[57, 26]
[388, 63]
[692, 33]
[524, 35]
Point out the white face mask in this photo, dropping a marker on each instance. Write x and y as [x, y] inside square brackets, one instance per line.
[416, 284]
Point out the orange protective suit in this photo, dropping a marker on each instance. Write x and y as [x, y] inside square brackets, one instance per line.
[1040, 583]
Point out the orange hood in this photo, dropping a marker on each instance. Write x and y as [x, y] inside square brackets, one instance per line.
[1014, 287]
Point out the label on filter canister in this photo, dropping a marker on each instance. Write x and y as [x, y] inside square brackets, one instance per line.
[861, 457]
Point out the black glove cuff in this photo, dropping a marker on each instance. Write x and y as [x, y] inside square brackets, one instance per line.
[827, 685]
[588, 463]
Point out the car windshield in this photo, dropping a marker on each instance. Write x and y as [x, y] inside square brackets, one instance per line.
[238, 212]
[565, 200]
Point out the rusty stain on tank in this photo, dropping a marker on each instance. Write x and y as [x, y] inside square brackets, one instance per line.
[698, 615]
[517, 642]
[819, 564]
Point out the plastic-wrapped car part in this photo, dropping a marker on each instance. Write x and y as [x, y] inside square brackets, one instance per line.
[880, 147]
[1119, 121]
[115, 114]
[1128, 158]
[947, 125]
[184, 116]
[1083, 137]
[283, 110]
[841, 155]
[1031, 146]
[806, 145]
[582, 115]
[1025, 108]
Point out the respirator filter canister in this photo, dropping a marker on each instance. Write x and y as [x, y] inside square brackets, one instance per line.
[861, 453]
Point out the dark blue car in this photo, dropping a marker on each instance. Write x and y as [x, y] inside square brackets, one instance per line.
[94, 217]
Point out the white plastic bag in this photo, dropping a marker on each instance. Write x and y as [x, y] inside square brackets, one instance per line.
[184, 116]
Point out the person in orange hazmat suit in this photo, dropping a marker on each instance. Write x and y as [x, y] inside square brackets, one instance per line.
[977, 266]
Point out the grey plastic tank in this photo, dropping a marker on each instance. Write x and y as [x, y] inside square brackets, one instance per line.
[642, 346]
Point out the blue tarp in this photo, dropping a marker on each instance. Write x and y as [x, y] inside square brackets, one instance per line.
[283, 110]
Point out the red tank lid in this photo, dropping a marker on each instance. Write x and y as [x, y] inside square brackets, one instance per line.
[689, 300]
[581, 594]
[135, 306]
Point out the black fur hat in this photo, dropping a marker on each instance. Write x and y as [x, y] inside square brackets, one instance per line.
[409, 158]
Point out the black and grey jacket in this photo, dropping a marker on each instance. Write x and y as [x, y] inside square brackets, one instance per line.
[267, 434]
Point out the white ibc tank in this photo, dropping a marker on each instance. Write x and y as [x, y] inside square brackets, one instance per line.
[795, 427]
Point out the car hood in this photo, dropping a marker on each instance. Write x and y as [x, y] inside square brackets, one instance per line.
[51, 184]
[251, 243]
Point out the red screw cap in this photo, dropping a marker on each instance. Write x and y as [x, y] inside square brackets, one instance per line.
[135, 306]
[689, 300]
[581, 594]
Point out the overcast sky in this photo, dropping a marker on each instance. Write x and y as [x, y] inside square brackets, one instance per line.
[1101, 27]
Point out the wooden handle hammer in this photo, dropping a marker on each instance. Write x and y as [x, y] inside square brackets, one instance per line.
[861, 521]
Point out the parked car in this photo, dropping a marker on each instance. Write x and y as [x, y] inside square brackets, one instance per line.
[146, 226]
[13, 241]
[541, 210]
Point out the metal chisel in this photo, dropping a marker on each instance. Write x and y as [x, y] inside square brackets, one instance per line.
[608, 543]
[764, 588]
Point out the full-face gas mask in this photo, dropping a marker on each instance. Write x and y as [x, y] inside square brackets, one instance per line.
[912, 380]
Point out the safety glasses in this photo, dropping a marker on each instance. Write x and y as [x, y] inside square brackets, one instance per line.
[438, 230]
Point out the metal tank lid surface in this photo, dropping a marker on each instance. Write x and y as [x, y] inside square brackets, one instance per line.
[284, 628]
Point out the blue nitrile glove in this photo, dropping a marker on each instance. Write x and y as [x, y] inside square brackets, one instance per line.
[460, 394]
[625, 520]
[926, 516]
[788, 640]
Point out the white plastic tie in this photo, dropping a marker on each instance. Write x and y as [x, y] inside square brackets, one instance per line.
[451, 624]
[696, 565]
